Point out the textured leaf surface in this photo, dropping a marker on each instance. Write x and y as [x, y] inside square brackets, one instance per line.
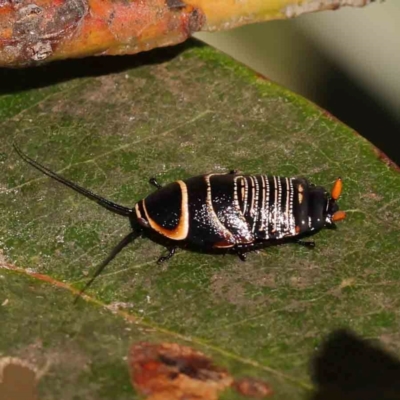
[193, 113]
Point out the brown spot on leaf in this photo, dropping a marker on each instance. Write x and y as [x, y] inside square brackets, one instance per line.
[337, 290]
[18, 380]
[391, 341]
[373, 196]
[253, 388]
[230, 285]
[169, 371]
[118, 305]
[18, 383]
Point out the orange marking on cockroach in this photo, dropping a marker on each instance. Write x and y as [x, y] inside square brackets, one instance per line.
[337, 189]
[223, 245]
[182, 229]
[338, 216]
[300, 191]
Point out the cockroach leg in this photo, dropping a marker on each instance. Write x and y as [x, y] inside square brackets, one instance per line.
[331, 226]
[153, 181]
[241, 255]
[171, 252]
[309, 245]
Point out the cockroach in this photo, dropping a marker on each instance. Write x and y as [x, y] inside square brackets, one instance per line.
[228, 213]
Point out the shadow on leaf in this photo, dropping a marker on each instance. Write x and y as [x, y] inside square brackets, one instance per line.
[16, 80]
[351, 368]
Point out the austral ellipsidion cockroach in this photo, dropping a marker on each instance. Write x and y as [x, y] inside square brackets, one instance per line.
[221, 212]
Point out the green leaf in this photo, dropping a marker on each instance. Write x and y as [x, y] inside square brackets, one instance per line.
[190, 113]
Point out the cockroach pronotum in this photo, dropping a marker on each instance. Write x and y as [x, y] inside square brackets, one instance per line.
[221, 213]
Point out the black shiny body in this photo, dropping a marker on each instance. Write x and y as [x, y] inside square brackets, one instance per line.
[231, 211]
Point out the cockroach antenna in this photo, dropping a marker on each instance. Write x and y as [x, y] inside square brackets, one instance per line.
[109, 205]
[123, 243]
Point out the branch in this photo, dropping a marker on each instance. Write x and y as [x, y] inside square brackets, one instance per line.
[33, 32]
